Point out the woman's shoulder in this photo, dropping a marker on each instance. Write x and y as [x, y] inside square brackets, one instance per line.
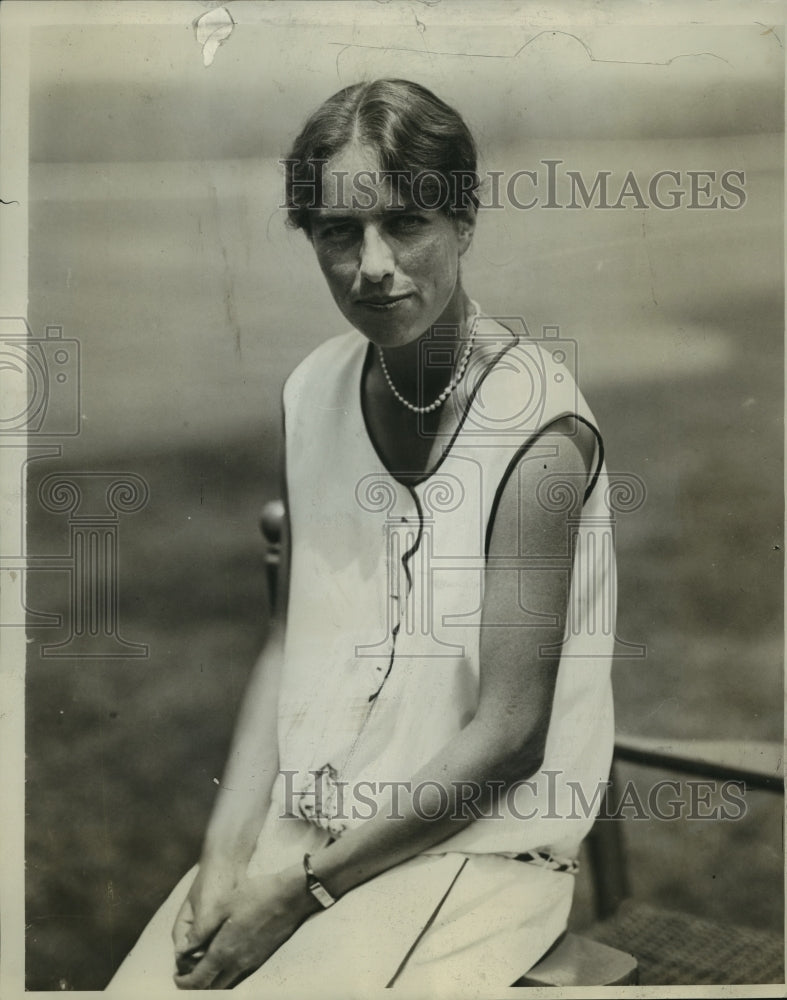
[325, 361]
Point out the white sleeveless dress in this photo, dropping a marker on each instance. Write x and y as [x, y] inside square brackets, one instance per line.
[381, 669]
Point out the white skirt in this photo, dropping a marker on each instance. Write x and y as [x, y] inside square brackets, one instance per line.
[438, 925]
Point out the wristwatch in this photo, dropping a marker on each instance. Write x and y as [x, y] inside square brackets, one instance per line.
[315, 886]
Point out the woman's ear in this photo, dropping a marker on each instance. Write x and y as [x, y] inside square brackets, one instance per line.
[465, 228]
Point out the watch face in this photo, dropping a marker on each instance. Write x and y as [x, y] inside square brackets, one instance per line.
[315, 887]
[320, 893]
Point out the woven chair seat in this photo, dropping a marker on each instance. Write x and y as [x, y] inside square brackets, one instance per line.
[677, 948]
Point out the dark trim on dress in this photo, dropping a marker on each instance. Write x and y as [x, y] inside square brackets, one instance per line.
[408, 555]
[522, 450]
[285, 541]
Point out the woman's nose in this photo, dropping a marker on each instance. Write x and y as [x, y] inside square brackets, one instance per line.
[377, 260]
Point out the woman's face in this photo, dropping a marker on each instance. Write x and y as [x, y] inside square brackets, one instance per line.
[392, 268]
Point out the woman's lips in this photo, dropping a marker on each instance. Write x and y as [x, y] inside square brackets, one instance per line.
[382, 304]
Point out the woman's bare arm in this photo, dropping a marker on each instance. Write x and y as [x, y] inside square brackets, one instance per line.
[252, 763]
[253, 760]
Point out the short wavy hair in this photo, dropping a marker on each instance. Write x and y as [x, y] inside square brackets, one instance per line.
[418, 138]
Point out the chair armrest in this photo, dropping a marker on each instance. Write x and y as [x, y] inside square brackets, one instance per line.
[759, 764]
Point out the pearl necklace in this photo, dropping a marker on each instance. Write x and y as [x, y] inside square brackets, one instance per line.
[460, 370]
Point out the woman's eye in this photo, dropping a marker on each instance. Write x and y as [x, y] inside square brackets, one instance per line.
[337, 231]
[406, 223]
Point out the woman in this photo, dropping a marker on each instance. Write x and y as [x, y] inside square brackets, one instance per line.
[420, 749]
